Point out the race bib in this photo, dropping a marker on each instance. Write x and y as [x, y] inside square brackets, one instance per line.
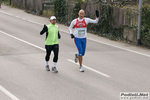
[81, 32]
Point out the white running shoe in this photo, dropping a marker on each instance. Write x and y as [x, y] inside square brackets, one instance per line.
[81, 69]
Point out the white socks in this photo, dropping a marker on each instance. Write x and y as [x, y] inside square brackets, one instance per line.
[47, 63]
[54, 64]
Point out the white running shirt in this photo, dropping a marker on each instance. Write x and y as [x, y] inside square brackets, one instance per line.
[76, 31]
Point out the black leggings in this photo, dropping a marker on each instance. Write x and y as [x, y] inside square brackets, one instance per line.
[55, 49]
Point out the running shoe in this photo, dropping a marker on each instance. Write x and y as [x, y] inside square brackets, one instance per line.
[54, 69]
[76, 58]
[47, 68]
[81, 69]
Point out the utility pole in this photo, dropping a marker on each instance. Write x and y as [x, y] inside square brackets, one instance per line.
[139, 22]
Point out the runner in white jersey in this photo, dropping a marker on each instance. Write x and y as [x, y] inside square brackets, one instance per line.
[80, 34]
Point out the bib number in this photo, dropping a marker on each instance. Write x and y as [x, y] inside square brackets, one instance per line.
[81, 32]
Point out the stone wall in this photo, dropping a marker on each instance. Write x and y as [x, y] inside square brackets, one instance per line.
[129, 34]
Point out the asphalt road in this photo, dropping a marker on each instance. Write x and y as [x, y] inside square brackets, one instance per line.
[111, 67]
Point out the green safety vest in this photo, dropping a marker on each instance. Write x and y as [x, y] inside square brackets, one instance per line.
[52, 37]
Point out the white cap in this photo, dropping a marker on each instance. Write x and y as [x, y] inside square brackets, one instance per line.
[52, 17]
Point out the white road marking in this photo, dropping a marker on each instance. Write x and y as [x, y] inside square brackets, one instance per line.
[34, 22]
[119, 47]
[98, 72]
[23, 18]
[17, 16]
[6, 13]
[8, 93]
[22, 41]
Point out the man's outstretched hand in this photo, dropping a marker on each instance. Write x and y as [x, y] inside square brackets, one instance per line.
[97, 13]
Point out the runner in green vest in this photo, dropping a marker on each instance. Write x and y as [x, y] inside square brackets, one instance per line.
[51, 43]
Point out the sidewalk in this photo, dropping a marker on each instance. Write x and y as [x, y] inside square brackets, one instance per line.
[91, 37]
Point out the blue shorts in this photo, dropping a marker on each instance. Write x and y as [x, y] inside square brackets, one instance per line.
[81, 45]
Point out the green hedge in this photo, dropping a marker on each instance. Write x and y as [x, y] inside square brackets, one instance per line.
[60, 10]
[145, 29]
